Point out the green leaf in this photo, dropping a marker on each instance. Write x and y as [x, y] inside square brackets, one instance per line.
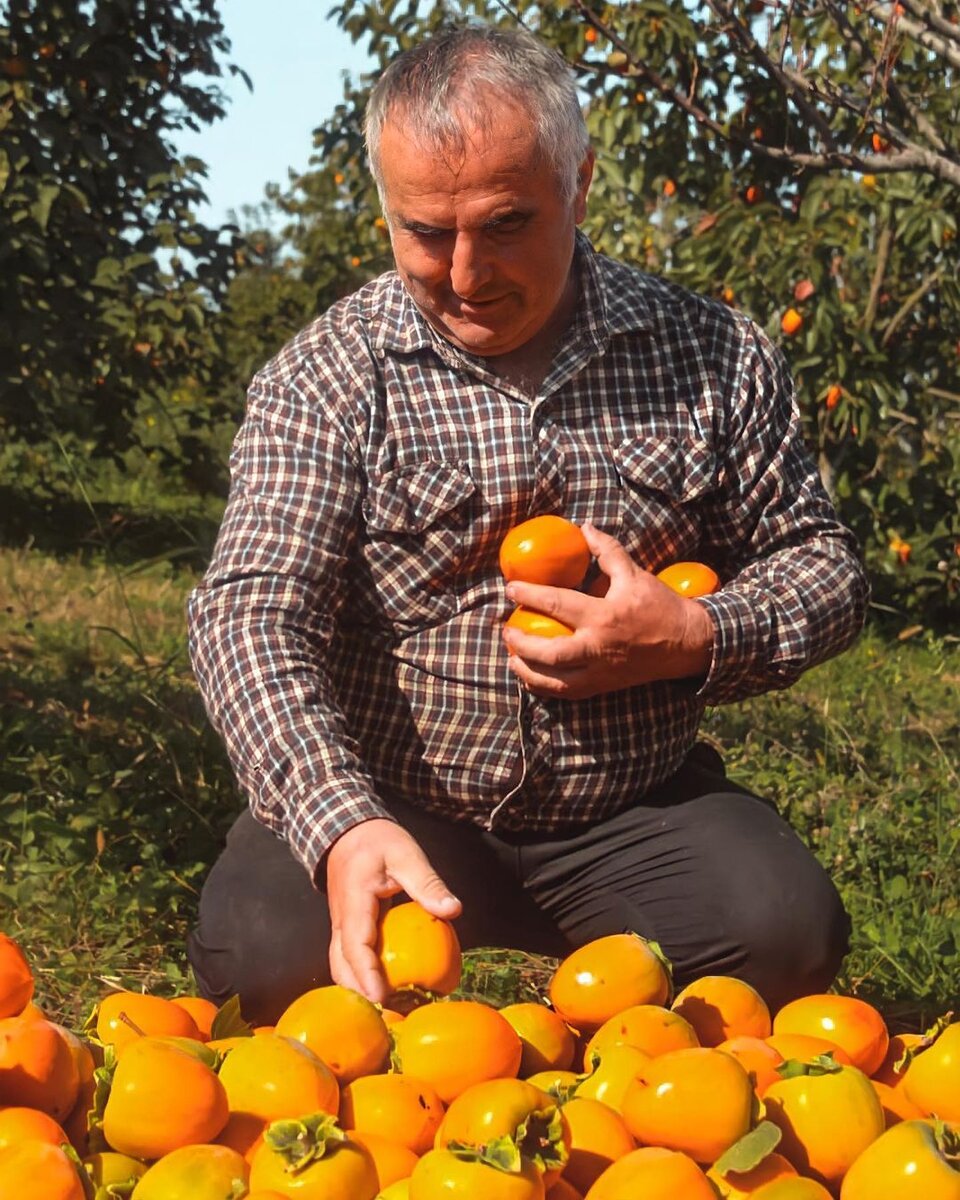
[751, 1149]
[229, 1021]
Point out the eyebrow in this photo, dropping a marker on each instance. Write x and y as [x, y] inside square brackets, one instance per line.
[411, 225]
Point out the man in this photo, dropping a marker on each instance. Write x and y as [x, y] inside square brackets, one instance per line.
[348, 634]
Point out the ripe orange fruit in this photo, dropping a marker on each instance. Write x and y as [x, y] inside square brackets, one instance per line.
[547, 1040]
[598, 1137]
[442, 1175]
[907, 1162]
[313, 1159]
[791, 322]
[122, 1017]
[757, 1057]
[418, 950]
[834, 393]
[852, 1024]
[827, 1117]
[20, 1123]
[932, 1080]
[405, 1109]
[690, 579]
[721, 1007]
[200, 1172]
[896, 1107]
[699, 1101]
[893, 1068]
[452, 1044]
[548, 550]
[508, 1114]
[161, 1098]
[611, 1073]
[669, 188]
[37, 1068]
[792, 1187]
[35, 1168]
[654, 1173]
[16, 978]
[528, 620]
[651, 1028]
[107, 1169]
[269, 1078]
[608, 974]
[391, 1160]
[341, 1027]
[805, 1047]
[202, 1012]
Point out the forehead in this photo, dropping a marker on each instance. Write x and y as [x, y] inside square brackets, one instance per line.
[499, 150]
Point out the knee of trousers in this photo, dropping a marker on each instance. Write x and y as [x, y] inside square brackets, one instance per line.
[251, 947]
[793, 946]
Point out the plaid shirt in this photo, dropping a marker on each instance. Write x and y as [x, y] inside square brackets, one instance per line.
[346, 636]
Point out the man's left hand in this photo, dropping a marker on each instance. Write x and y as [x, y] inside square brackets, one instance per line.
[639, 632]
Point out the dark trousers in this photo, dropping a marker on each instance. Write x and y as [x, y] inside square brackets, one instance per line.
[702, 866]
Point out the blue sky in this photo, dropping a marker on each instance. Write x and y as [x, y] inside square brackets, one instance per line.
[296, 57]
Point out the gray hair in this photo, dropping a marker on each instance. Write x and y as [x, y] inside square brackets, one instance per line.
[445, 82]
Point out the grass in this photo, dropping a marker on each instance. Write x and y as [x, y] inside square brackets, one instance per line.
[115, 794]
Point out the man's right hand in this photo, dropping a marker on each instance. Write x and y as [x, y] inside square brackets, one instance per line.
[369, 863]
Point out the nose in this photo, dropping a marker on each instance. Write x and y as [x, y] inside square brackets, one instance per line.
[471, 268]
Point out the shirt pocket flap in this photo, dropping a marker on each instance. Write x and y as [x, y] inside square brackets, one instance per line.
[415, 498]
[682, 469]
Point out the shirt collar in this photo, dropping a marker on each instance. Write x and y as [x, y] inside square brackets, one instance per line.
[608, 304]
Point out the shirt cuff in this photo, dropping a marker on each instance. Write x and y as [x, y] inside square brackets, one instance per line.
[738, 646]
[315, 822]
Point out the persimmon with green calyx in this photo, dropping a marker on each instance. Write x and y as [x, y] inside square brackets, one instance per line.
[507, 1121]
[201, 1172]
[851, 1023]
[932, 1078]
[108, 1169]
[269, 1078]
[913, 1160]
[313, 1159]
[827, 1113]
[448, 1174]
[606, 975]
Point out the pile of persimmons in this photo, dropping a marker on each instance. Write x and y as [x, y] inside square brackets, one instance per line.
[610, 1088]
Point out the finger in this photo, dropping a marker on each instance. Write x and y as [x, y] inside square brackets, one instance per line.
[415, 875]
[612, 558]
[356, 939]
[559, 683]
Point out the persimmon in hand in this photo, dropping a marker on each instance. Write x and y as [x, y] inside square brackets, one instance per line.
[690, 579]
[548, 550]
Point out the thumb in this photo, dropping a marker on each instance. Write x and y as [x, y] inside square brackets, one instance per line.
[612, 559]
[421, 883]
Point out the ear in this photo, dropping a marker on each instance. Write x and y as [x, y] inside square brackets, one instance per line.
[584, 179]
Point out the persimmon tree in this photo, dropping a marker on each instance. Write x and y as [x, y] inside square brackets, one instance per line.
[775, 155]
[108, 276]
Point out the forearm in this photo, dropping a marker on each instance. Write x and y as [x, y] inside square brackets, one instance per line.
[783, 614]
[260, 672]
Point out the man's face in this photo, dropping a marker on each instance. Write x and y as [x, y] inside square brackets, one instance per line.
[482, 240]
